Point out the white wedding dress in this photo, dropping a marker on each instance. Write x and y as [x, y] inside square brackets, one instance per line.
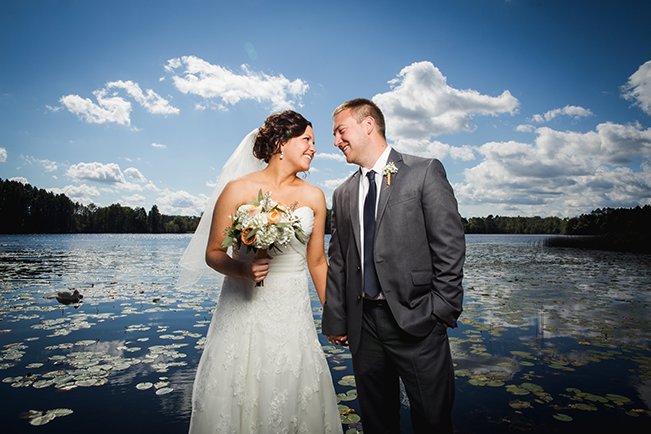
[262, 368]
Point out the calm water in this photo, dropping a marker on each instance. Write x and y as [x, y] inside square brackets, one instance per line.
[551, 340]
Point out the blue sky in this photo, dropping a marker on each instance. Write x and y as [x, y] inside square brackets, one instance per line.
[534, 107]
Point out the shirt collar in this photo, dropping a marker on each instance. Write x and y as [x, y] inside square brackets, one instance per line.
[380, 163]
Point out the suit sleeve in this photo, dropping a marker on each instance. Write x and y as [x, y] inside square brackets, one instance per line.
[334, 310]
[446, 242]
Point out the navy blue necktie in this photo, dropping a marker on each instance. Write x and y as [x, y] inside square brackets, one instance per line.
[371, 283]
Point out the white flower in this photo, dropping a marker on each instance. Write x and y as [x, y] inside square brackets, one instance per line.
[388, 169]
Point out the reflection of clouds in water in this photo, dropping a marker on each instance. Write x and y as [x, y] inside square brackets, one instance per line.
[129, 377]
[561, 314]
[644, 391]
[585, 292]
[179, 402]
[485, 365]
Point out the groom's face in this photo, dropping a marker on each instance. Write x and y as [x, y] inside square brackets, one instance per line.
[349, 136]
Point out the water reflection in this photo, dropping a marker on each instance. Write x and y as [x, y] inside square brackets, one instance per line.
[551, 340]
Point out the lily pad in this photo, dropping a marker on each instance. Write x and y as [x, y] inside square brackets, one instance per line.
[617, 398]
[164, 391]
[563, 417]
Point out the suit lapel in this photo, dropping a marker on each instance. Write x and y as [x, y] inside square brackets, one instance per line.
[353, 205]
[387, 190]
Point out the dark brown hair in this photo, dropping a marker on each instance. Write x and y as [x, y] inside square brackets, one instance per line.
[277, 130]
[360, 109]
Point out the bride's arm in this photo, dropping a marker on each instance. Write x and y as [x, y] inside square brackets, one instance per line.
[316, 258]
[217, 256]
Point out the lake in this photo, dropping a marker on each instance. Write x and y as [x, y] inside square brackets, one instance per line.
[550, 340]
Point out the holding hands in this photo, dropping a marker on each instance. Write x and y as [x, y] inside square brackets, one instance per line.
[341, 340]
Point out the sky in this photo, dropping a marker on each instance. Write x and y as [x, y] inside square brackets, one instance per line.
[535, 108]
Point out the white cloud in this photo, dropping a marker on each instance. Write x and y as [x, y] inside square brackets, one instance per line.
[135, 174]
[576, 171]
[115, 108]
[526, 128]
[421, 104]
[134, 201]
[172, 64]
[157, 145]
[181, 203]
[3, 155]
[105, 174]
[465, 153]
[334, 183]
[81, 193]
[638, 88]
[335, 157]
[96, 172]
[213, 81]
[153, 102]
[569, 110]
[20, 179]
[49, 166]
[434, 149]
[112, 109]
[151, 186]
[423, 148]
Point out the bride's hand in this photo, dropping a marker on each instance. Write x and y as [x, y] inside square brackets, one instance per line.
[258, 269]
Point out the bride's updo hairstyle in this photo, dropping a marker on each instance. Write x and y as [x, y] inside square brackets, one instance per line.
[277, 130]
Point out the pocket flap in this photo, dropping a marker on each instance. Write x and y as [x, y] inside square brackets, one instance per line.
[420, 278]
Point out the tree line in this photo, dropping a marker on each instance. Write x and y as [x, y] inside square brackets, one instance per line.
[601, 221]
[25, 209]
[28, 210]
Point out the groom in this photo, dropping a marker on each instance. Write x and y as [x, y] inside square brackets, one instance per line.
[394, 282]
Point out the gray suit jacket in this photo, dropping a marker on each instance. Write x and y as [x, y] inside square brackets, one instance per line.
[419, 250]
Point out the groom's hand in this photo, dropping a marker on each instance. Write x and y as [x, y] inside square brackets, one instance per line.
[341, 340]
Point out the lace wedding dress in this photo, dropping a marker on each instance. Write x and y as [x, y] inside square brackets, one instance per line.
[263, 369]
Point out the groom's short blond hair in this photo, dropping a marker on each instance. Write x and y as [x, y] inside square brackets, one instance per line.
[360, 109]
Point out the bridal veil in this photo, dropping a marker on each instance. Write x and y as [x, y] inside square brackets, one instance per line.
[240, 163]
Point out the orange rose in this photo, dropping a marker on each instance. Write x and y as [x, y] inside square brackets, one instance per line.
[254, 210]
[273, 217]
[245, 236]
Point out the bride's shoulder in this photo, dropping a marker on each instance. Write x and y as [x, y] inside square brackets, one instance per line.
[240, 189]
[243, 183]
[310, 188]
[314, 197]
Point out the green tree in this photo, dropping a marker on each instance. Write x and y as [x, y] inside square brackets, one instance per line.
[155, 221]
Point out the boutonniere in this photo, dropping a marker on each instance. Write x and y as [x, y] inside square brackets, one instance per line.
[388, 170]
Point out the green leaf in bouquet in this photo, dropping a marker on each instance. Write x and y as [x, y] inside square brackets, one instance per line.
[299, 234]
[252, 233]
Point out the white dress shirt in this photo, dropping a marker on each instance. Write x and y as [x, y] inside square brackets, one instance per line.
[363, 190]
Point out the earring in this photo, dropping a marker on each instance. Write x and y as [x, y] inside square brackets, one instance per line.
[281, 155]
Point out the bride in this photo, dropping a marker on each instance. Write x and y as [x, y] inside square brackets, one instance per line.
[262, 369]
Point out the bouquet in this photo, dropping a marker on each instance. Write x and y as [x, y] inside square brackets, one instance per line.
[263, 224]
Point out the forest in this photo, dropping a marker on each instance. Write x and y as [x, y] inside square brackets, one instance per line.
[28, 210]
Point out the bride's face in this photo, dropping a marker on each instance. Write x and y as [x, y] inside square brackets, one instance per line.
[300, 150]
